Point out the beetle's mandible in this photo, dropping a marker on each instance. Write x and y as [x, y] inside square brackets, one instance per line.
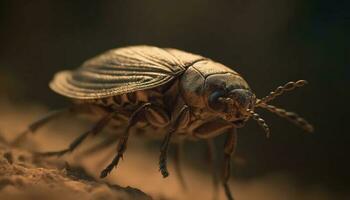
[168, 93]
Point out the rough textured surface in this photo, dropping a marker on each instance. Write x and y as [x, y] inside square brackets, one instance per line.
[25, 176]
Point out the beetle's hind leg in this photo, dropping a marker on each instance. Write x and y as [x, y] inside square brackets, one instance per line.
[35, 126]
[32, 128]
[98, 127]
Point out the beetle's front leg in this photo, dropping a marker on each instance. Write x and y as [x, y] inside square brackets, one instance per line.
[182, 118]
[211, 129]
[230, 146]
[213, 167]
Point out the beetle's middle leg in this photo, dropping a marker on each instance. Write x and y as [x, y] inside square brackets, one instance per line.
[181, 118]
[154, 115]
[102, 146]
[98, 127]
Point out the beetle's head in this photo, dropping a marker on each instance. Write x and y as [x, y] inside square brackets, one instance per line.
[230, 97]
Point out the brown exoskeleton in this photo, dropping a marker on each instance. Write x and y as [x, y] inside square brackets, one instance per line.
[167, 92]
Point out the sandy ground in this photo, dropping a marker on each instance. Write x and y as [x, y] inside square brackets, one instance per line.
[24, 176]
[138, 169]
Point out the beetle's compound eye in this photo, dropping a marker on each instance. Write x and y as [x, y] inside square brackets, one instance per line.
[243, 98]
[214, 101]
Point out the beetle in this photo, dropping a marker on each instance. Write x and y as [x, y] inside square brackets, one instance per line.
[168, 92]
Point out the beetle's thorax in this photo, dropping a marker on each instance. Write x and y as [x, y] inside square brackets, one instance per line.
[207, 85]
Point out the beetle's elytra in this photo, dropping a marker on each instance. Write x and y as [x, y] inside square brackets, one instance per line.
[167, 92]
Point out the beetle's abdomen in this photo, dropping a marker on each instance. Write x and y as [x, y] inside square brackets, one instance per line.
[162, 97]
[133, 98]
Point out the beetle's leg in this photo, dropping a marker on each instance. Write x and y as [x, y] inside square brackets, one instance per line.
[122, 144]
[32, 128]
[163, 152]
[95, 130]
[212, 165]
[207, 131]
[181, 118]
[106, 156]
[156, 116]
[230, 146]
[177, 164]
[104, 147]
[38, 124]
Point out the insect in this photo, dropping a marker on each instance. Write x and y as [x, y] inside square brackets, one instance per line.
[168, 92]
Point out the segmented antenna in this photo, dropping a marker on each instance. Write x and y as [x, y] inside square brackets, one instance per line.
[290, 116]
[260, 121]
[280, 90]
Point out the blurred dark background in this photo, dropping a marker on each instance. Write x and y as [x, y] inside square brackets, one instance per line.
[268, 42]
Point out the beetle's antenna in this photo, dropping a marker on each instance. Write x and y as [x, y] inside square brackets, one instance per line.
[280, 90]
[290, 116]
[260, 121]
